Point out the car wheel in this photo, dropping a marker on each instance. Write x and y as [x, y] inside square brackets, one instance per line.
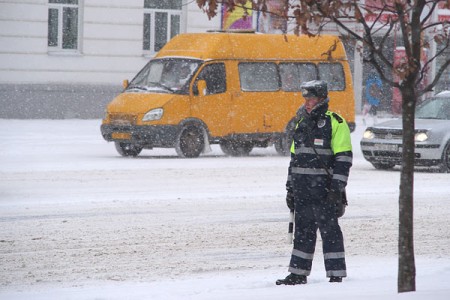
[445, 165]
[236, 148]
[383, 166]
[190, 142]
[128, 149]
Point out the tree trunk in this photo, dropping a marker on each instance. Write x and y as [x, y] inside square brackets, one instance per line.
[406, 262]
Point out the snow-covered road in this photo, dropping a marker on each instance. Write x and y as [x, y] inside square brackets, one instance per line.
[75, 215]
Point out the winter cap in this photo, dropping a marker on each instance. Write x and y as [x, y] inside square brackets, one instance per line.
[314, 88]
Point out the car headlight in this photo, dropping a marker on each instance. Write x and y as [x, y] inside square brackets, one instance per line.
[154, 114]
[368, 134]
[420, 137]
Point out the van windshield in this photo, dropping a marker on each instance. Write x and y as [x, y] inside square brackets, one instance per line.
[168, 75]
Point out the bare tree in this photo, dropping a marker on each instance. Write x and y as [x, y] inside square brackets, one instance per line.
[418, 28]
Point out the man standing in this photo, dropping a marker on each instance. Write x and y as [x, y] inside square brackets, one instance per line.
[373, 93]
[321, 157]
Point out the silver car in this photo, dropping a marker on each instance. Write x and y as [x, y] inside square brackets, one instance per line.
[381, 145]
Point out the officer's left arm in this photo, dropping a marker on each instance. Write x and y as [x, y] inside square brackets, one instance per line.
[342, 150]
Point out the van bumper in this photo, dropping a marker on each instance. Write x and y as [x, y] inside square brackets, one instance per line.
[147, 136]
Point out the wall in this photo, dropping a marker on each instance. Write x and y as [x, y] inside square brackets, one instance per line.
[55, 101]
[80, 83]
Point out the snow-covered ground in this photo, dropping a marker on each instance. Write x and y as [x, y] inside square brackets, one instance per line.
[80, 222]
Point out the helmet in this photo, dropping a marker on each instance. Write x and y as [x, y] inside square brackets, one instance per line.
[315, 88]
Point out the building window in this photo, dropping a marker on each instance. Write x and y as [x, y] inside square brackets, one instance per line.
[63, 21]
[161, 23]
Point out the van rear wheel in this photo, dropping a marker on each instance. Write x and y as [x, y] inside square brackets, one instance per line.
[282, 146]
[190, 142]
[283, 143]
[236, 148]
[128, 149]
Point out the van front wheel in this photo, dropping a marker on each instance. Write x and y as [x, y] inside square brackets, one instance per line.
[190, 142]
[128, 149]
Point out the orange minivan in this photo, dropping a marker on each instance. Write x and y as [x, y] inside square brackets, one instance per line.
[238, 90]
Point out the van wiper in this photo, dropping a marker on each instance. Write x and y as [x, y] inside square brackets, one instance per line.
[161, 85]
[137, 87]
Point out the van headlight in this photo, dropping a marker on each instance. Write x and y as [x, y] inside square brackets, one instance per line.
[420, 137]
[368, 134]
[154, 114]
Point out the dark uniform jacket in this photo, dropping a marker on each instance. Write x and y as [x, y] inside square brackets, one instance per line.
[326, 133]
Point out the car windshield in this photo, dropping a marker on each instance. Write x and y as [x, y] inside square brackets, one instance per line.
[435, 108]
[168, 75]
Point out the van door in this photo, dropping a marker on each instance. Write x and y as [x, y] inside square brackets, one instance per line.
[259, 85]
[212, 106]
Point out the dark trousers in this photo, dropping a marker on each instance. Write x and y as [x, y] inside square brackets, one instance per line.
[309, 218]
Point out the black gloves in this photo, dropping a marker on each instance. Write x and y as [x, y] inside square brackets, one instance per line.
[336, 198]
[290, 200]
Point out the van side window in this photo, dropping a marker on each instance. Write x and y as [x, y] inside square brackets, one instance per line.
[214, 75]
[261, 77]
[333, 74]
[293, 74]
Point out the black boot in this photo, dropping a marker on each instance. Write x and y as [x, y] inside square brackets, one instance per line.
[292, 279]
[335, 279]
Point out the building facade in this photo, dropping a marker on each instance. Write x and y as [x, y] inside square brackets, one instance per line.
[68, 58]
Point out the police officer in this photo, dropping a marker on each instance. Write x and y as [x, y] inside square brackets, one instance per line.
[321, 157]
